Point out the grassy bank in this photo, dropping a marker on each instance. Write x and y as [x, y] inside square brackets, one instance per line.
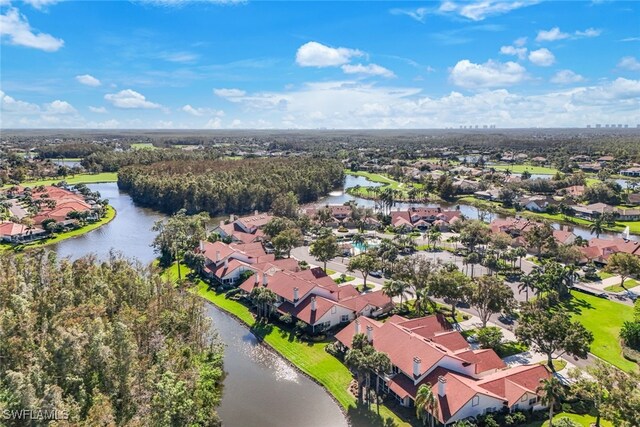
[604, 319]
[83, 178]
[582, 420]
[536, 170]
[110, 215]
[497, 207]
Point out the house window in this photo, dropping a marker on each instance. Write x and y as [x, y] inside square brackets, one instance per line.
[344, 318]
[533, 401]
[490, 410]
[524, 398]
[475, 401]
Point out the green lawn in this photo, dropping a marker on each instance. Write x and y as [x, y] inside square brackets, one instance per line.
[309, 357]
[628, 283]
[604, 319]
[330, 271]
[111, 214]
[143, 146]
[583, 420]
[386, 181]
[83, 178]
[538, 170]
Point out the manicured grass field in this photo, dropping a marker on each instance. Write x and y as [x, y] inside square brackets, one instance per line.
[583, 420]
[628, 283]
[143, 146]
[309, 357]
[111, 214]
[604, 319]
[83, 178]
[538, 170]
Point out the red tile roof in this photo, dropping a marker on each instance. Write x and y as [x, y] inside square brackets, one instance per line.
[513, 383]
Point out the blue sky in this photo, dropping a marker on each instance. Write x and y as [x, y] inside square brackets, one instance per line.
[256, 64]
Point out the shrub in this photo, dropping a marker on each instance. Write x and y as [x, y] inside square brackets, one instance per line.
[489, 337]
[232, 292]
[565, 422]
[630, 333]
[300, 326]
[286, 319]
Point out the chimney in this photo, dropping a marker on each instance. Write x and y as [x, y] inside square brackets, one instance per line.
[255, 212]
[417, 364]
[217, 256]
[265, 279]
[357, 326]
[221, 222]
[314, 305]
[201, 246]
[232, 218]
[257, 280]
[369, 333]
[295, 294]
[442, 387]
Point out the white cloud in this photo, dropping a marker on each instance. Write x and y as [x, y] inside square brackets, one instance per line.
[521, 41]
[16, 28]
[480, 10]
[314, 54]
[629, 63]
[98, 110]
[369, 70]
[353, 104]
[130, 99]
[41, 4]
[566, 77]
[11, 105]
[542, 57]
[229, 94]
[88, 80]
[199, 112]
[214, 123]
[630, 39]
[179, 56]
[419, 14]
[520, 52]
[59, 107]
[589, 32]
[551, 35]
[490, 74]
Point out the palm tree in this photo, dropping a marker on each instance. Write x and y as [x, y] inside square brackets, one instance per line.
[360, 239]
[529, 281]
[397, 288]
[356, 360]
[597, 226]
[520, 252]
[434, 236]
[426, 404]
[552, 392]
[423, 300]
[380, 364]
[473, 258]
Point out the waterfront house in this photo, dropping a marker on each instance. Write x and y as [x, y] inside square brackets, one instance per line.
[314, 298]
[466, 382]
[634, 171]
[423, 217]
[247, 229]
[12, 232]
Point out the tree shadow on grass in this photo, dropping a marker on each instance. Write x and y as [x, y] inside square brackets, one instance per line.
[261, 329]
[576, 305]
[361, 416]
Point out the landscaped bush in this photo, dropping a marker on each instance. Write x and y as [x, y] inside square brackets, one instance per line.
[232, 292]
[489, 337]
[286, 318]
[565, 422]
[334, 350]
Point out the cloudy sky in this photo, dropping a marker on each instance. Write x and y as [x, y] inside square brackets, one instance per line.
[257, 64]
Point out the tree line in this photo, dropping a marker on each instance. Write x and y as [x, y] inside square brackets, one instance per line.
[107, 343]
[232, 186]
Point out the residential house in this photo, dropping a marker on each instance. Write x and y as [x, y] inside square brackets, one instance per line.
[575, 191]
[634, 171]
[314, 298]
[423, 217]
[247, 229]
[599, 250]
[12, 232]
[536, 203]
[466, 382]
[491, 194]
[592, 211]
[341, 216]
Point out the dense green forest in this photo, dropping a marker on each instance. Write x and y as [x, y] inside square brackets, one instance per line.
[229, 186]
[111, 161]
[104, 344]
